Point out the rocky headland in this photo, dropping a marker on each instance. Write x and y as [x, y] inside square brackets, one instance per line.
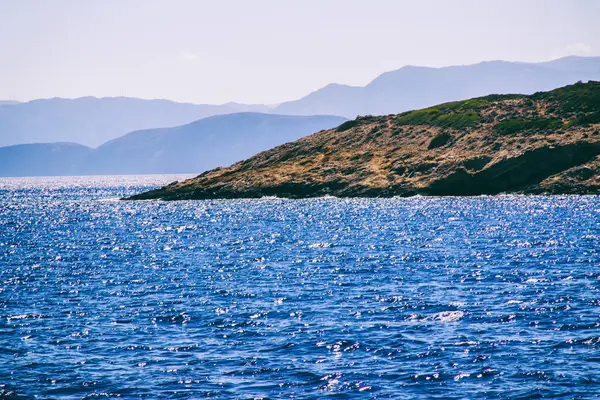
[545, 143]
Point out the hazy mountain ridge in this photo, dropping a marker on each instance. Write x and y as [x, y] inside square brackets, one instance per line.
[42, 159]
[195, 147]
[92, 121]
[548, 142]
[414, 87]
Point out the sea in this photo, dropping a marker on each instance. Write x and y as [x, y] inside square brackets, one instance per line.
[404, 298]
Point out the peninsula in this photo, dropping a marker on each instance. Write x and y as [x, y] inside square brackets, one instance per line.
[545, 143]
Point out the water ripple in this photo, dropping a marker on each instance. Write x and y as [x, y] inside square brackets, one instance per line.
[488, 297]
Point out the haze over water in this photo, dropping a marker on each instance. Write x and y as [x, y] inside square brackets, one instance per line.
[484, 297]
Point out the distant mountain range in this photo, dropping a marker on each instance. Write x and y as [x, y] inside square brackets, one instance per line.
[92, 121]
[58, 136]
[42, 159]
[195, 147]
[412, 88]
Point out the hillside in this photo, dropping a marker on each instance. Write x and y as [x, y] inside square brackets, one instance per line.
[548, 142]
[202, 145]
[411, 87]
[92, 121]
[42, 159]
[191, 148]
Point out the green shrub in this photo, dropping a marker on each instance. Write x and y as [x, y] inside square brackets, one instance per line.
[510, 126]
[366, 156]
[439, 140]
[435, 117]
[475, 103]
[586, 119]
[580, 97]
[500, 97]
[457, 120]
[347, 125]
[419, 117]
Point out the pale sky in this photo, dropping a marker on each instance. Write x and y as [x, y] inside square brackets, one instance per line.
[267, 51]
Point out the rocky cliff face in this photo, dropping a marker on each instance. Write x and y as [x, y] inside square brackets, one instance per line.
[548, 142]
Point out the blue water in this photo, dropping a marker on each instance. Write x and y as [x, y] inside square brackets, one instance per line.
[476, 298]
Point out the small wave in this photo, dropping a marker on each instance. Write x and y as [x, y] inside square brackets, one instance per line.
[11, 318]
[181, 318]
[535, 280]
[446, 316]
[110, 200]
[513, 302]
[320, 245]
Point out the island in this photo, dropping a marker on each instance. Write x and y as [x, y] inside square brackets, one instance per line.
[545, 143]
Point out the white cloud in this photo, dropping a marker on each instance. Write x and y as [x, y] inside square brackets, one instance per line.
[187, 55]
[578, 49]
